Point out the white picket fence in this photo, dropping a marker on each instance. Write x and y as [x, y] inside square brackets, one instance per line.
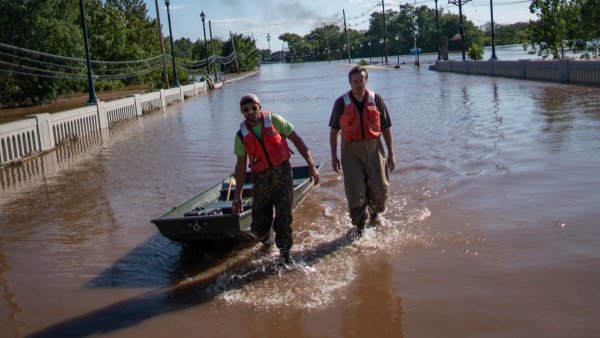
[43, 132]
[579, 72]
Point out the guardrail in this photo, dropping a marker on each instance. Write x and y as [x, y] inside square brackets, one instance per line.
[579, 72]
[43, 132]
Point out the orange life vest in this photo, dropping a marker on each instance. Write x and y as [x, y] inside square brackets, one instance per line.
[353, 127]
[269, 152]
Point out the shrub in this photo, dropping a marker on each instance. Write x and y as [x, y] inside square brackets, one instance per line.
[475, 52]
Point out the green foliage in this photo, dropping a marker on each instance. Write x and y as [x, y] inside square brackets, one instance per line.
[248, 54]
[509, 34]
[363, 62]
[299, 49]
[565, 25]
[47, 26]
[400, 28]
[118, 30]
[475, 52]
[588, 28]
[107, 85]
[550, 34]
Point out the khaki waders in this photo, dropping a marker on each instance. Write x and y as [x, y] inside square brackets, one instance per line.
[366, 178]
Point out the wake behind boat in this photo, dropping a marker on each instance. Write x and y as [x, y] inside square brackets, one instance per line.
[209, 215]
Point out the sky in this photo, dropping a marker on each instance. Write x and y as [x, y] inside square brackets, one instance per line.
[257, 18]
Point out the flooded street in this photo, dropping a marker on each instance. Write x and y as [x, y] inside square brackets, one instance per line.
[491, 229]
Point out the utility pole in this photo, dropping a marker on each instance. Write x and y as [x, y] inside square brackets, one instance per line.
[346, 32]
[459, 3]
[327, 40]
[384, 32]
[237, 66]
[417, 62]
[212, 43]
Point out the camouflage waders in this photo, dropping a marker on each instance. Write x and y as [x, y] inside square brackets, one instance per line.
[366, 178]
[273, 188]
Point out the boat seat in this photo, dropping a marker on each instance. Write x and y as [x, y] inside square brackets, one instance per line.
[247, 192]
[216, 208]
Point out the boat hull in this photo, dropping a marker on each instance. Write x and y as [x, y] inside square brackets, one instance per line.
[209, 217]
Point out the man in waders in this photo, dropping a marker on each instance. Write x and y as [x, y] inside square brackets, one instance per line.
[262, 139]
[362, 117]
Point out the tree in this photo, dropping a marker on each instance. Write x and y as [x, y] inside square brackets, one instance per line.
[296, 45]
[246, 50]
[119, 32]
[508, 34]
[475, 52]
[588, 29]
[552, 33]
[46, 26]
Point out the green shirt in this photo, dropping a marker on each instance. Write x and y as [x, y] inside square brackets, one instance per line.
[283, 127]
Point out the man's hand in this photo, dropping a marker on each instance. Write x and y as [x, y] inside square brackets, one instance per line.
[391, 162]
[314, 173]
[335, 164]
[238, 205]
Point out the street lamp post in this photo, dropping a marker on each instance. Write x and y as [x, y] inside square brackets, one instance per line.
[92, 97]
[175, 79]
[416, 50]
[269, 41]
[203, 16]
[398, 40]
[493, 42]
[162, 47]
[437, 28]
[370, 52]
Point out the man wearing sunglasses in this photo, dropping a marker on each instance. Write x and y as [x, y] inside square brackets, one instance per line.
[262, 140]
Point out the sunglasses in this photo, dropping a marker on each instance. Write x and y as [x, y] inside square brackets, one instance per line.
[248, 109]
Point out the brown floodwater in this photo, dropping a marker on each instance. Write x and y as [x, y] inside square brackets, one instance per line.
[491, 230]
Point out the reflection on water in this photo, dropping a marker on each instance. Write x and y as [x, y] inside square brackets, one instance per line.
[486, 169]
[10, 296]
[380, 306]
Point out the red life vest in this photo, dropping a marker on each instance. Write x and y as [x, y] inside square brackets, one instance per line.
[353, 127]
[269, 152]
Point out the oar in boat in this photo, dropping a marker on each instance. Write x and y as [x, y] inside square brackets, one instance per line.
[229, 188]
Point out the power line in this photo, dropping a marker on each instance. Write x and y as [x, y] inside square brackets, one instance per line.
[23, 61]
